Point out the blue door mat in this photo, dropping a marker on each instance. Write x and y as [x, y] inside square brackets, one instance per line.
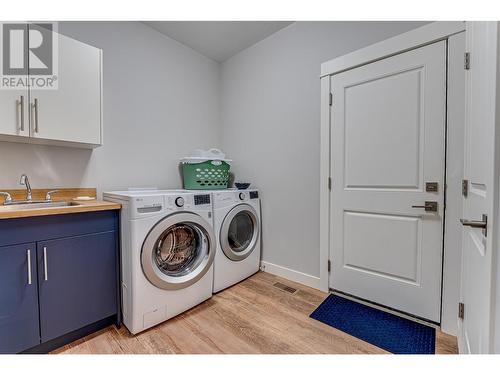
[387, 331]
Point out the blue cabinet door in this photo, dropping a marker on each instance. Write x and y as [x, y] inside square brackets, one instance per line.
[19, 326]
[77, 282]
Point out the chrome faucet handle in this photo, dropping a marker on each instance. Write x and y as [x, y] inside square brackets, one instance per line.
[8, 198]
[48, 195]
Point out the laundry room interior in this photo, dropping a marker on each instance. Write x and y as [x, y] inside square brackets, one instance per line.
[235, 185]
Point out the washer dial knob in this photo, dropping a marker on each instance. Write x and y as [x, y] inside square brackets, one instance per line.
[179, 202]
[242, 196]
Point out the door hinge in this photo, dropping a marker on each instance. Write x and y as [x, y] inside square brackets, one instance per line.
[329, 183]
[467, 61]
[329, 266]
[331, 99]
[461, 310]
[465, 188]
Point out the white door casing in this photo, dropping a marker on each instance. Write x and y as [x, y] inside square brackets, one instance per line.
[387, 141]
[475, 331]
[455, 118]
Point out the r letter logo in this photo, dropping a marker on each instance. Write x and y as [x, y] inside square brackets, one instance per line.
[28, 56]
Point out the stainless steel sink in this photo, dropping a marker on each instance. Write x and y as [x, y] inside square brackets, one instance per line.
[29, 206]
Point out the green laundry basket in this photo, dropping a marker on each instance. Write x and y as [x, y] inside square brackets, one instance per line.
[207, 175]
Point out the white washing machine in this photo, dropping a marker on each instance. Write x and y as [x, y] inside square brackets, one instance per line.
[237, 228]
[167, 251]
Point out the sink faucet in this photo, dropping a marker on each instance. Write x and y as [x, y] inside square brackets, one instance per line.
[24, 181]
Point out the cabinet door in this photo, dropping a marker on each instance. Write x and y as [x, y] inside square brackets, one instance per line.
[72, 112]
[14, 100]
[19, 329]
[77, 282]
[14, 112]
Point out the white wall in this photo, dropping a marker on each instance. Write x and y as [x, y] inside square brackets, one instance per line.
[271, 127]
[161, 100]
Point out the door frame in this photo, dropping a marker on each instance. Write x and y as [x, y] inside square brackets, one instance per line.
[420, 37]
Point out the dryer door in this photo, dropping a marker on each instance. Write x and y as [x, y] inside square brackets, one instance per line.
[178, 251]
[239, 232]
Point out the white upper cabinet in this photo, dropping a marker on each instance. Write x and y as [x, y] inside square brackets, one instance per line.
[72, 112]
[14, 103]
[67, 114]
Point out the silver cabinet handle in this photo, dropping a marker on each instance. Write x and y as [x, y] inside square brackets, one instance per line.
[35, 107]
[46, 275]
[28, 255]
[483, 224]
[21, 105]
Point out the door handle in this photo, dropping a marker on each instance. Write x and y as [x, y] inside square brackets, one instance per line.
[429, 206]
[45, 272]
[483, 224]
[28, 256]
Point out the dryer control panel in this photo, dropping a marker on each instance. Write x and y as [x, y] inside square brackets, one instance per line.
[230, 197]
[252, 194]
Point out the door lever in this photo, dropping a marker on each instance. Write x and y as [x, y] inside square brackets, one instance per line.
[483, 224]
[429, 206]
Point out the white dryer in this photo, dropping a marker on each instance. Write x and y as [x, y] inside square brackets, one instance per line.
[167, 251]
[237, 230]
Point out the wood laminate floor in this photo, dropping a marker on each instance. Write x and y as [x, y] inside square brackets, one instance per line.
[254, 316]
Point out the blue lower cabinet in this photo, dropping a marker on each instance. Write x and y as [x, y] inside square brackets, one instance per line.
[77, 282]
[19, 325]
[61, 284]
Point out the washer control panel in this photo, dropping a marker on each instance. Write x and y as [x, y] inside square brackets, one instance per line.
[201, 199]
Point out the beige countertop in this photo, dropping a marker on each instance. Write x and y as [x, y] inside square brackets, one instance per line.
[64, 194]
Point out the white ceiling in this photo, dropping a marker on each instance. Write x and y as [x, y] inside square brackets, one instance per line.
[218, 40]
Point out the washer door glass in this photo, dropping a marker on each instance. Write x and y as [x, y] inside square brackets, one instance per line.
[178, 251]
[239, 232]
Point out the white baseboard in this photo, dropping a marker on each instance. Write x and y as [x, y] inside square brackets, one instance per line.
[287, 273]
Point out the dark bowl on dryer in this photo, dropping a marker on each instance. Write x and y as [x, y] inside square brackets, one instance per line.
[242, 185]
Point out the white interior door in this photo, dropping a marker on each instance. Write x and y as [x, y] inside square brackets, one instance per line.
[388, 141]
[72, 112]
[476, 286]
